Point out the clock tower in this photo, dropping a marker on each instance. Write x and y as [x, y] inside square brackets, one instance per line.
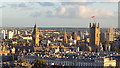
[35, 36]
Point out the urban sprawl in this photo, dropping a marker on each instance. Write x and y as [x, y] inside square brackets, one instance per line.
[48, 48]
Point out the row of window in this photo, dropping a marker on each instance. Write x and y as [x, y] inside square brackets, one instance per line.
[65, 63]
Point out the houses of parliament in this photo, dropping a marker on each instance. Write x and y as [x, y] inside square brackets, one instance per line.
[94, 37]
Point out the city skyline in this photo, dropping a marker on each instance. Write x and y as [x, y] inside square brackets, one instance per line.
[59, 33]
[59, 14]
[77, 48]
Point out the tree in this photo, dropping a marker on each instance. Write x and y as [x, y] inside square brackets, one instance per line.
[23, 61]
[39, 63]
[117, 49]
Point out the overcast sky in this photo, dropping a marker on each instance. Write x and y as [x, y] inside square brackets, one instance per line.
[59, 14]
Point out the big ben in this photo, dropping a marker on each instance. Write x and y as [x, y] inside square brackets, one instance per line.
[35, 36]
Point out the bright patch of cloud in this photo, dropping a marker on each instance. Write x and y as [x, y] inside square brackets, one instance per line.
[86, 12]
[81, 12]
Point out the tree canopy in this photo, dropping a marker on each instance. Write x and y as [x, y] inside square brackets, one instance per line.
[23, 61]
[39, 63]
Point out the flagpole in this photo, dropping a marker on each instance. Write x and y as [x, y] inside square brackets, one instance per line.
[94, 19]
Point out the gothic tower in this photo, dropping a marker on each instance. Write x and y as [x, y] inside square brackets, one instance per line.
[94, 35]
[35, 36]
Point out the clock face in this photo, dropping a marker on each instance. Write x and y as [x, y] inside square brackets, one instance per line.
[37, 36]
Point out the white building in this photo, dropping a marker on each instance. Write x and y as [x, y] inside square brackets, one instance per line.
[10, 34]
[3, 34]
[27, 38]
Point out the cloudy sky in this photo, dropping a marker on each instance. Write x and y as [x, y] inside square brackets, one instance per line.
[59, 14]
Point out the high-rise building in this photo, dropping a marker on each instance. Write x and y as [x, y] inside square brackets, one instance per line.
[110, 34]
[65, 39]
[35, 36]
[94, 35]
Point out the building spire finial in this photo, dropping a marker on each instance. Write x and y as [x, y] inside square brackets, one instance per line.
[90, 24]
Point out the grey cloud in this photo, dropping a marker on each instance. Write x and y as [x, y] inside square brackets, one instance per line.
[46, 3]
[2, 6]
[13, 5]
[76, 3]
[22, 5]
[17, 5]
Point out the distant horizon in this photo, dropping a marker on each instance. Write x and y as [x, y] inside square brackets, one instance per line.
[56, 27]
